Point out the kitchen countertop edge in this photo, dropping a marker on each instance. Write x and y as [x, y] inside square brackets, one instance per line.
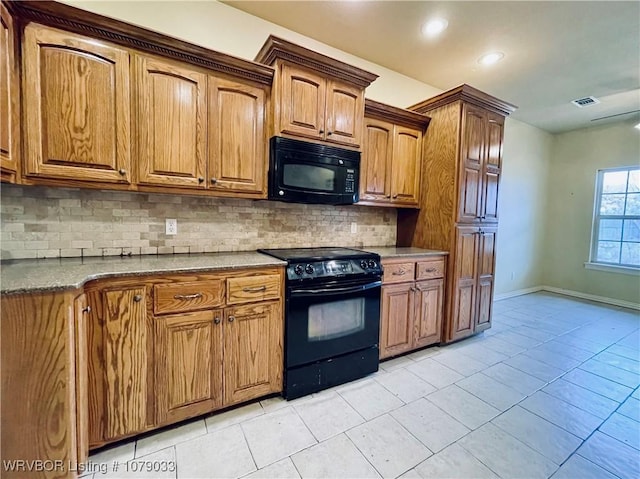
[73, 273]
[389, 252]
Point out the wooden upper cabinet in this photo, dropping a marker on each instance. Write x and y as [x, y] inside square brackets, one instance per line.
[170, 126]
[406, 167]
[344, 113]
[492, 167]
[315, 97]
[302, 103]
[9, 95]
[377, 150]
[237, 140]
[188, 355]
[252, 351]
[391, 162]
[471, 163]
[76, 107]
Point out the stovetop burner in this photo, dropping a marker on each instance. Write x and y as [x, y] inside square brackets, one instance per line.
[317, 254]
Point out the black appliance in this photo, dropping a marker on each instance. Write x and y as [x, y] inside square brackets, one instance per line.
[305, 172]
[332, 317]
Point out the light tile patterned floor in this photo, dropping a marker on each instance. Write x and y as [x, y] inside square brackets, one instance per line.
[550, 391]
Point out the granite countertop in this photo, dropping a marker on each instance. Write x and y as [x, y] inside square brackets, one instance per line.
[397, 252]
[32, 276]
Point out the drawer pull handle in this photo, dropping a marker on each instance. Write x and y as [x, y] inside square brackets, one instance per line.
[257, 289]
[400, 272]
[188, 296]
[137, 298]
[86, 310]
[216, 320]
[430, 270]
[232, 319]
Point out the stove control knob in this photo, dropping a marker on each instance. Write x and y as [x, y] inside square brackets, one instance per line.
[298, 269]
[309, 269]
[372, 263]
[363, 264]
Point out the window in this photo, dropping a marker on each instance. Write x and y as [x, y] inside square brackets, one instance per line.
[616, 218]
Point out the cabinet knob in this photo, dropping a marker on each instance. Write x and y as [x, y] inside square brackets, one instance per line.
[122, 171]
[395, 196]
[214, 181]
[232, 319]
[330, 133]
[216, 320]
[388, 196]
[321, 131]
[200, 179]
[137, 298]
[86, 310]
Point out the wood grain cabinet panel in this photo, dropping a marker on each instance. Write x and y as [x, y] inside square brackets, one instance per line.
[82, 314]
[396, 328]
[486, 268]
[406, 166]
[472, 161]
[492, 167]
[76, 107]
[302, 105]
[377, 151]
[170, 123]
[185, 296]
[429, 312]
[250, 289]
[237, 137]
[465, 282]
[9, 100]
[344, 113]
[253, 358]
[188, 365]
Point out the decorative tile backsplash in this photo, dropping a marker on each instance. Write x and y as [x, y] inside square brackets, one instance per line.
[39, 222]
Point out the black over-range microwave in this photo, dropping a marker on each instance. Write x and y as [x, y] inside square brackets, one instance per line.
[305, 172]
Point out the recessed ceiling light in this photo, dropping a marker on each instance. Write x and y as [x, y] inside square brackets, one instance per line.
[491, 58]
[637, 126]
[434, 27]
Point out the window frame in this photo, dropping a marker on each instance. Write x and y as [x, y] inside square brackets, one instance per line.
[593, 262]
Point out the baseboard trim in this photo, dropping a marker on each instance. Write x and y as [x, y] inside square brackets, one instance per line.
[517, 292]
[592, 297]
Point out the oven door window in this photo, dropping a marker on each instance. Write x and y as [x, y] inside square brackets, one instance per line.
[309, 177]
[335, 319]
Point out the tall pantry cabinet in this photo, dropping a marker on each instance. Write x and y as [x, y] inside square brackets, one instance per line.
[458, 213]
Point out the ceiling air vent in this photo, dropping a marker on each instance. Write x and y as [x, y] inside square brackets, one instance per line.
[586, 101]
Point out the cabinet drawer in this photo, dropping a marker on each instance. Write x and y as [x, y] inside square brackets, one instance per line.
[430, 269]
[188, 296]
[398, 272]
[253, 288]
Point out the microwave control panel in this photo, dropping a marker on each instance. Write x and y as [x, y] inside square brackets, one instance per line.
[350, 181]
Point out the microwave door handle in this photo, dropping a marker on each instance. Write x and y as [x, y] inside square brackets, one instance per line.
[333, 291]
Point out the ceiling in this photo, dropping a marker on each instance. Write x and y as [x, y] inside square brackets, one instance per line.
[555, 52]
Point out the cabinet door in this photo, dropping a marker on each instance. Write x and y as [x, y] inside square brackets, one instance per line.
[472, 153]
[188, 365]
[253, 360]
[396, 328]
[9, 96]
[76, 107]
[406, 166]
[81, 316]
[302, 103]
[344, 114]
[486, 267]
[237, 137]
[377, 150]
[171, 123]
[463, 301]
[492, 167]
[125, 361]
[428, 312]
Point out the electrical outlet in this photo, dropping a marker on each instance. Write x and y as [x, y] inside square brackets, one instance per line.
[354, 227]
[171, 226]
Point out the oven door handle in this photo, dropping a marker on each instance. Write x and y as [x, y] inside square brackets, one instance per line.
[332, 291]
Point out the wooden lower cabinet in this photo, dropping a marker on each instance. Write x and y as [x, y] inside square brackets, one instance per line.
[412, 307]
[253, 357]
[81, 317]
[188, 365]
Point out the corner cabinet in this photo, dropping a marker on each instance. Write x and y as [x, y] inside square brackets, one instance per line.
[459, 207]
[76, 107]
[391, 156]
[9, 100]
[412, 304]
[315, 97]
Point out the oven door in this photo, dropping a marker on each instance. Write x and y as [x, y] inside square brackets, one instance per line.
[325, 321]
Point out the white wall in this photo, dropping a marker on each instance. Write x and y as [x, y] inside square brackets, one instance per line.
[526, 149]
[576, 157]
[522, 207]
